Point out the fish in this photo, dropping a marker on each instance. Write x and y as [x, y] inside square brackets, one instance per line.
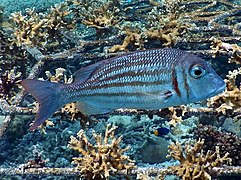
[147, 79]
[161, 131]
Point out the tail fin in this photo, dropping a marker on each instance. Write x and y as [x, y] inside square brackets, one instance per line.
[47, 95]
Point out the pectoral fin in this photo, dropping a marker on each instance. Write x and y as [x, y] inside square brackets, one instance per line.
[90, 109]
[162, 96]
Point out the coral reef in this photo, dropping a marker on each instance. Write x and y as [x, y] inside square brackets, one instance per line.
[99, 160]
[97, 14]
[15, 5]
[37, 162]
[227, 142]
[41, 30]
[219, 47]
[76, 33]
[229, 100]
[194, 163]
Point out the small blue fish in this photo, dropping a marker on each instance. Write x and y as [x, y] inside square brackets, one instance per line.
[161, 131]
[149, 79]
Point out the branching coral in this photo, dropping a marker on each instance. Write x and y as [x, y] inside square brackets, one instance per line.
[99, 160]
[59, 76]
[97, 14]
[131, 37]
[195, 164]
[234, 50]
[38, 29]
[230, 99]
[160, 25]
[185, 21]
[71, 111]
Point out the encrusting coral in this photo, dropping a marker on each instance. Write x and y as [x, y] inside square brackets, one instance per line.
[194, 163]
[99, 160]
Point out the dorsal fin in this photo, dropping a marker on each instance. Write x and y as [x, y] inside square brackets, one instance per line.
[84, 74]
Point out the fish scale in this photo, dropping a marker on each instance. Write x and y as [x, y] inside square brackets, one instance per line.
[137, 75]
[149, 79]
[137, 62]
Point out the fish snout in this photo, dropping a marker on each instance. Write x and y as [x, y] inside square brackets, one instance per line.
[220, 86]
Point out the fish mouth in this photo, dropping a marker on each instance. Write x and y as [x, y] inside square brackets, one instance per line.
[218, 90]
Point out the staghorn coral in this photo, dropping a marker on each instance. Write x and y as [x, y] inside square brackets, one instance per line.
[174, 118]
[39, 29]
[227, 142]
[200, 31]
[99, 160]
[218, 46]
[10, 57]
[71, 111]
[97, 14]
[184, 22]
[194, 163]
[131, 37]
[230, 99]
[160, 25]
[59, 76]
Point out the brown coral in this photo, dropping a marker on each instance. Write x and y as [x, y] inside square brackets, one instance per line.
[194, 163]
[130, 38]
[97, 14]
[228, 142]
[219, 46]
[99, 160]
[230, 99]
[38, 29]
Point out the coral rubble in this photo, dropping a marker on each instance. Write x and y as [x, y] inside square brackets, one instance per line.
[101, 159]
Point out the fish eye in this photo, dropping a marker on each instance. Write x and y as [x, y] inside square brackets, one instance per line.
[197, 71]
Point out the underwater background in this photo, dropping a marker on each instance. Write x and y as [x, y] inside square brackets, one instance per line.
[50, 40]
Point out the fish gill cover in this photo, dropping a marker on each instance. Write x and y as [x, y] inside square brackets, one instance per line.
[51, 42]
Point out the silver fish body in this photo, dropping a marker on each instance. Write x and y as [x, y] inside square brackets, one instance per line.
[150, 79]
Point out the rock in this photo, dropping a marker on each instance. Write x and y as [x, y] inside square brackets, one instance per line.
[233, 126]
[154, 150]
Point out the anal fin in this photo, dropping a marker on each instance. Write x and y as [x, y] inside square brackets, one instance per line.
[90, 109]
